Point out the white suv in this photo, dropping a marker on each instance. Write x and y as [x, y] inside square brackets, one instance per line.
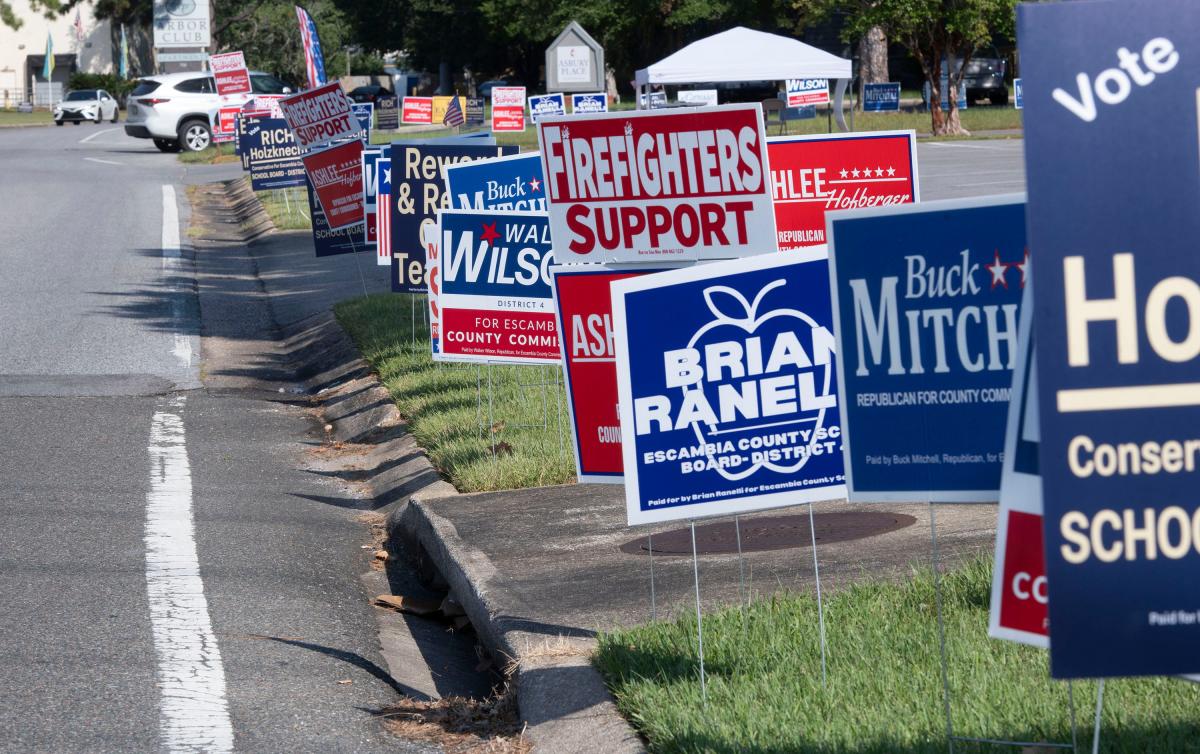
[177, 109]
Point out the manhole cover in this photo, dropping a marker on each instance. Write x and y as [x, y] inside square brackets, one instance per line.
[772, 533]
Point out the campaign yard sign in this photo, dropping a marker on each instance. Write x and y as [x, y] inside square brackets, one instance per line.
[585, 104]
[583, 306]
[417, 195]
[319, 116]
[495, 299]
[230, 74]
[225, 127]
[726, 388]
[812, 175]
[1018, 95]
[652, 100]
[335, 174]
[370, 189]
[271, 154]
[387, 113]
[383, 215]
[365, 113]
[1019, 592]
[513, 183]
[806, 92]
[658, 186]
[328, 241]
[1116, 328]
[542, 105]
[701, 97]
[926, 298]
[417, 111]
[881, 98]
[473, 110]
[508, 108]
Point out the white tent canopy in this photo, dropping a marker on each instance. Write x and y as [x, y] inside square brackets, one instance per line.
[742, 54]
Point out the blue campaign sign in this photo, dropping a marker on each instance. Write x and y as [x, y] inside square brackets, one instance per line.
[543, 105]
[364, 112]
[589, 103]
[803, 112]
[269, 150]
[511, 183]
[726, 387]
[1113, 222]
[1018, 95]
[926, 298]
[328, 242]
[881, 98]
[371, 157]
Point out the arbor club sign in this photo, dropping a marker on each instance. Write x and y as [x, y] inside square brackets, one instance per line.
[658, 186]
[812, 175]
[320, 115]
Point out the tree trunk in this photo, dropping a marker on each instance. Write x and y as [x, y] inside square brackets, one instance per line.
[933, 74]
[953, 126]
[872, 60]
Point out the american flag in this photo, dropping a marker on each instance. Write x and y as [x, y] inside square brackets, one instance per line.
[454, 114]
[314, 60]
[78, 26]
[383, 214]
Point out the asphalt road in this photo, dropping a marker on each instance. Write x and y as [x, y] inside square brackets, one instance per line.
[170, 580]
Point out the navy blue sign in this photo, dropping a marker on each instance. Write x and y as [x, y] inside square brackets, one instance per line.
[803, 112]
[727, 393]
[364, 112]
[881, 98]
[1114, 218]
[387, 113]
[269, 150]
[331, 242]
[1018, 95]
[473, 110]
[505, 183]
[926, 298]
[542, 105]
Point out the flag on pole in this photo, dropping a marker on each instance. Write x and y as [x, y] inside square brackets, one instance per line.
[454, 114]
[314, 60]
[123, 70]
[383, 218]
[78, 26]
[48, 64]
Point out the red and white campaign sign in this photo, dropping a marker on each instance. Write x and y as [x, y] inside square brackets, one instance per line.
[320, 115]
[336, 177]
[583, 305]
[229, 71]
[264, 105]
[508, 108]
[812, 175]
[658, 186]
[417, 111]
[1020, 602]
[226, 125]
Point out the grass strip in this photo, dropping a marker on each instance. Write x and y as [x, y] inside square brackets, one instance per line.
[16, 118]
[287, 208]
[884, 692]
[450, 409]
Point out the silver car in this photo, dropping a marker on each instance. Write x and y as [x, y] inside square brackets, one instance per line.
[176, 110]
[93, 105]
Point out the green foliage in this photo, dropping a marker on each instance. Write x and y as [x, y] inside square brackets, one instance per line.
[109, 82]
[884, 691]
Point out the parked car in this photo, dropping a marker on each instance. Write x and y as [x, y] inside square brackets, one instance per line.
[984, 79]
[176, 109]
[95, 105]
[485, 89]
[370, 93]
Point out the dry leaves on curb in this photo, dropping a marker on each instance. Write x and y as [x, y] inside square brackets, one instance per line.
[462, 726]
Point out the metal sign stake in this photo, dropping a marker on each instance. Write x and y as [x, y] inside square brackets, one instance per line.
[699, 619]
[812, 530]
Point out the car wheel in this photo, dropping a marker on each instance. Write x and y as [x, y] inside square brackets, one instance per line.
[195, 136]
[58, 122]
[99, 116]
[79, 123]
[166, 145]
[999, 97]
[116, 115]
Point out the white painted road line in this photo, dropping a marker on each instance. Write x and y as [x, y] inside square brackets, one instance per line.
[172, 264]
[86, 139]
[960, 145]
[194, 713]
[102, 162]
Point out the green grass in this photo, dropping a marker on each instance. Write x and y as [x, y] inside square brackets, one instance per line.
[215, 154]
[37, 117]
[884, 690]
[288, 208]
[446, 405]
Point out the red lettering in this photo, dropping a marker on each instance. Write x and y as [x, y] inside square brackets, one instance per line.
[690, 236]
[660, 222]
[739, 210]
[607, 241]
[632, 222]
[584, 242]
[712, 223]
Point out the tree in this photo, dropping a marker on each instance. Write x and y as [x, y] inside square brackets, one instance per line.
[936, 32]
[47, 8]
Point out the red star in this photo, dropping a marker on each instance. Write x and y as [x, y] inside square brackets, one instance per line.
[489, 234]
[997, 268]
[1023, 266]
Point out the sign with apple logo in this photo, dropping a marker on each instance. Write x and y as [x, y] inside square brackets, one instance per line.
[726, 387]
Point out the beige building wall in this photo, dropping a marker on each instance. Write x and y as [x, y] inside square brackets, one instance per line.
[93, 53]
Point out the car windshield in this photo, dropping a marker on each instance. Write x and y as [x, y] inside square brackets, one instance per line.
[82, 95]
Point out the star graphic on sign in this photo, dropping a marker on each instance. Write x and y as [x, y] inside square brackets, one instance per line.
[854, 172]
[866, 172]
[489, 234]
[891, 171]
[1023, 266]
[878, 172]
[535, 184]
[998, 269]
[844, 173]
[387, 176]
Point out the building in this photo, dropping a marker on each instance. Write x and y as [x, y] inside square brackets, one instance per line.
[91, 48]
